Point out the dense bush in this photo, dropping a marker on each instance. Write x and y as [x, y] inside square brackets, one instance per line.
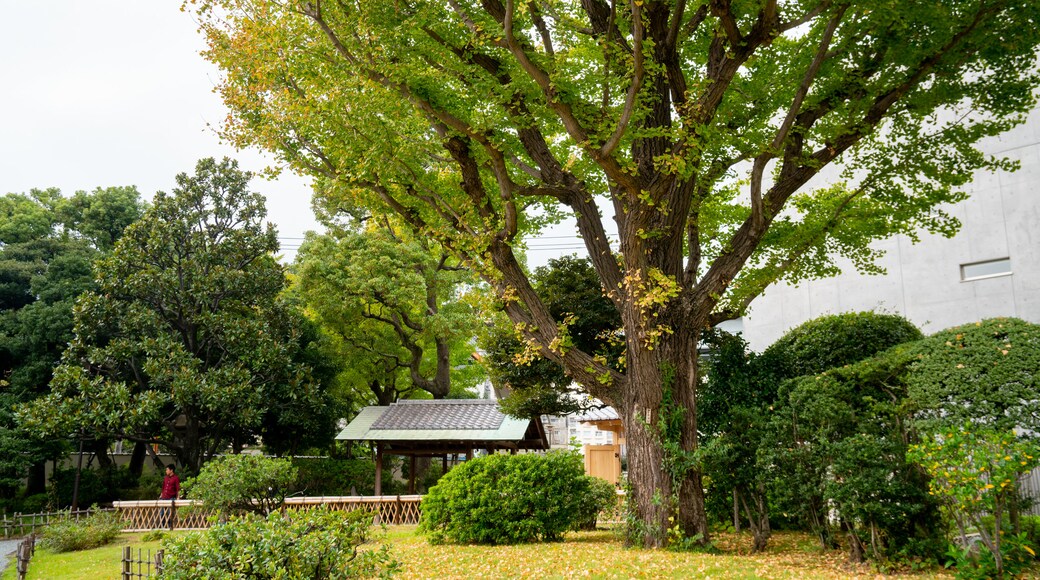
[323, 476]
[507, 499]
[314, 545]
[242, 483]
[93, 531]
[602, 498]
[834, 341]
[100, 486]
[984, 372]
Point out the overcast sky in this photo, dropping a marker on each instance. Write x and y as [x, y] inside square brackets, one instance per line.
[113, 92]
[102, 93]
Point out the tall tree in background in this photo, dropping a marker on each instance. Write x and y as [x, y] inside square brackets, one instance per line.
[47, 244]
[394, 305]
[536, 385]
[185, 342]
[699, 124]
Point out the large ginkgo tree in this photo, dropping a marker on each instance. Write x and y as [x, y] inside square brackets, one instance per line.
[699, 125]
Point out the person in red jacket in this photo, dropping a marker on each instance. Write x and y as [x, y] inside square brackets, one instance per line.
[171, 484]
[171, 489]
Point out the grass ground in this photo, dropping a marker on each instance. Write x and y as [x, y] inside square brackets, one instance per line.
[582, 555]
[98, 564]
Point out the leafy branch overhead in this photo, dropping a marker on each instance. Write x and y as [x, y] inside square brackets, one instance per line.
[735, 144]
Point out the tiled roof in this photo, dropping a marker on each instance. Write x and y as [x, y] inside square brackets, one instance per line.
[472, 420]
[604, 414]
[449, 414]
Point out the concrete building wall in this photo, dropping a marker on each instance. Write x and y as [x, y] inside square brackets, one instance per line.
[1000, 219]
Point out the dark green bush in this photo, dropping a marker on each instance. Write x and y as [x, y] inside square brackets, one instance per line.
[93, 531]
[507, 499]
[834, 341]
[323, 476]
[240, 483]
[101, 486]
[602, 498]
[314, 545]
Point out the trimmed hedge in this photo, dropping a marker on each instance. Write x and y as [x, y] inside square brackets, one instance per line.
[508, 499]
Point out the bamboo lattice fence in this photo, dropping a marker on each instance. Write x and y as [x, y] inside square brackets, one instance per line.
[139, 516]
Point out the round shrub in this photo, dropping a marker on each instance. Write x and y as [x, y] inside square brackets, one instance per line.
[317, 544]
[240, 483]
[834, 341]
[507, 499]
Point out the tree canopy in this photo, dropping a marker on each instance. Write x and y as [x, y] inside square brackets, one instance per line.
[700, 125]
[47, 244]
[185, 342]
[395, 306]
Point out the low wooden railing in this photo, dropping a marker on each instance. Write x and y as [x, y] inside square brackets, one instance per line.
[139, 516]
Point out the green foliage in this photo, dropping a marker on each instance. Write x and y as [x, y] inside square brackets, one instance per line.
[233, 484]
[392, 308]
[47, 244]
[102, 485]
[836, 340]
[315, 544]
[334, 477]
[601, 499]
[983, 372]
[507, 499]
[838, 440]
[974, 472]
[186, 342]
[698, 128]
[570, 289]
[95, 530]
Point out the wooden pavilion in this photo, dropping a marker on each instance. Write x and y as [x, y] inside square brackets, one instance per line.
[439, 429]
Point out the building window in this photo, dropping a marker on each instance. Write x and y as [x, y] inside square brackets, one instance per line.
[987, 269]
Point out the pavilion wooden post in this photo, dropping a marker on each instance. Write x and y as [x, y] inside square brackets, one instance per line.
[469, 454]
[444, 464]
[411, 474]
[379, 469]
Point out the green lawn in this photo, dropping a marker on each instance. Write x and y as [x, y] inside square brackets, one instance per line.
[583, 554]
[98, 564]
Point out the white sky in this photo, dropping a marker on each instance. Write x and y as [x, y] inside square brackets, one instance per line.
[102, 93]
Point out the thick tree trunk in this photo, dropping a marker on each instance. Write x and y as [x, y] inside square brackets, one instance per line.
[651, 491]
[672, 369]
[137, 458]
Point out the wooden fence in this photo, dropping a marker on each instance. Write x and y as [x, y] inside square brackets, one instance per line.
[139, 516]
[23, 555]
[20, 525]
[1029, 487]
[144, 565]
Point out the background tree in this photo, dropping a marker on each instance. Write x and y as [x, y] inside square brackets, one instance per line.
[537, 385]
[701, 125]
[185, 342]
[47, 244]
[394, 304]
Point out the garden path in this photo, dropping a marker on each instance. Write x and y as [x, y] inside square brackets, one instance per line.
[7, 548]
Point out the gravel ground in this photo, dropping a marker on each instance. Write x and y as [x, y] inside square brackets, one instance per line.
[7, 548]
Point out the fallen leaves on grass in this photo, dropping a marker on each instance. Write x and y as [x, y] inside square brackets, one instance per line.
[600, 555]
